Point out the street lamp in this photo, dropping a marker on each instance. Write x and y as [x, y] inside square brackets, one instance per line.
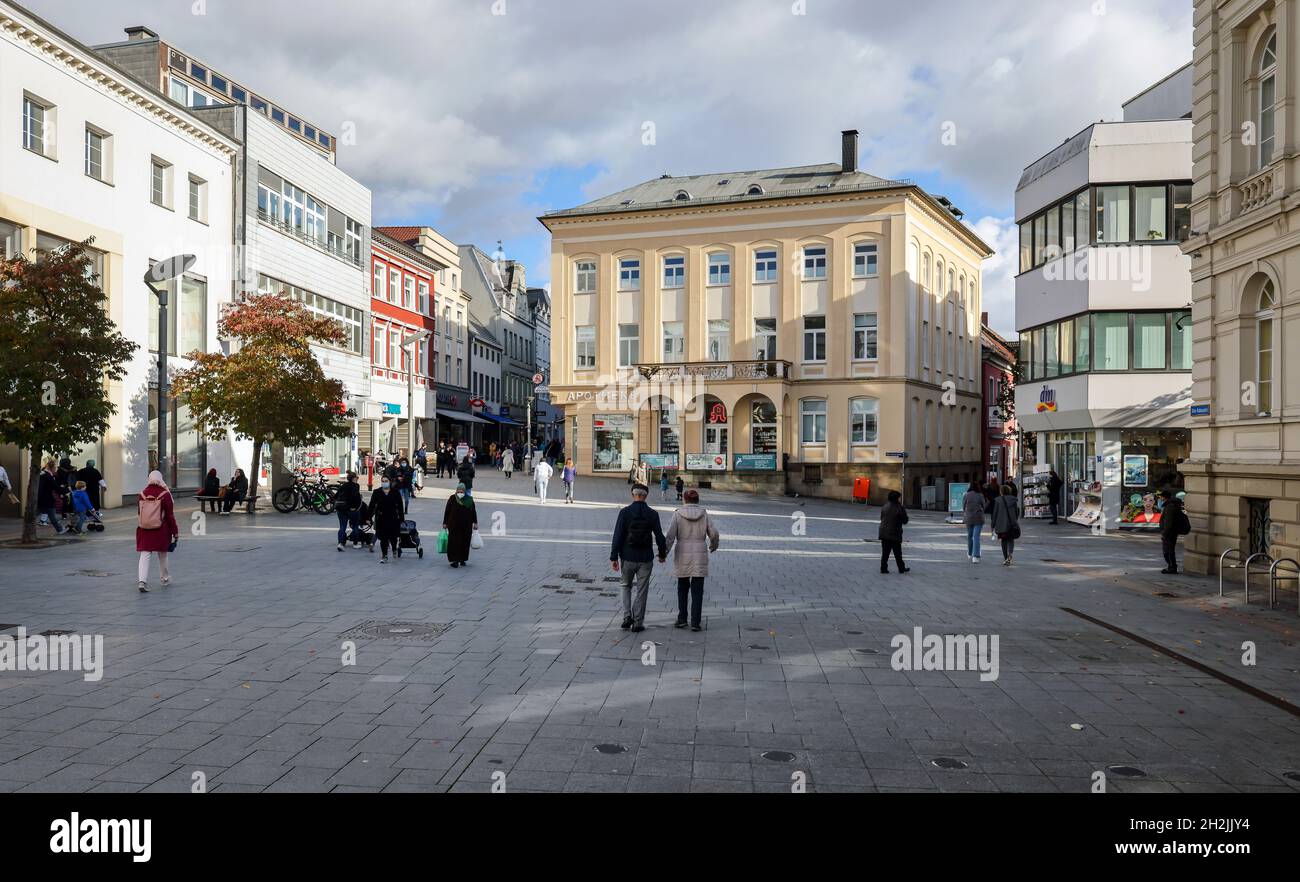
[410, 390]
[161, 273]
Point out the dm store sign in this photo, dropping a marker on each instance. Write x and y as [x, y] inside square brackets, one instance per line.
[1047, 400]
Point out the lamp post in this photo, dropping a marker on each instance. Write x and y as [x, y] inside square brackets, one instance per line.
[413, 342]
[161, 273]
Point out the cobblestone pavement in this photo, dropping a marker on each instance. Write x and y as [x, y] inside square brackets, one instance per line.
[235, 670]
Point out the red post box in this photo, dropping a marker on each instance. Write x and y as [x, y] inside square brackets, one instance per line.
[861, 489]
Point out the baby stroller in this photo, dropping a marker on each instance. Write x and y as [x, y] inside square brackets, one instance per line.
[408, 536]
[366, 534]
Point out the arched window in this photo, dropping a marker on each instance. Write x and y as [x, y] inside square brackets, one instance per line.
[682, 196]
[1267, 99]
[925, 271]
[1264, 347]
[938, 278]
[952, 283]
[755, 190]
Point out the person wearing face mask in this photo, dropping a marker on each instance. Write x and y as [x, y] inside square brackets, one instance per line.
[460, 520]
[387, 513]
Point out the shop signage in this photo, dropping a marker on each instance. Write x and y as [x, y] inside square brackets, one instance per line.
[447, 399]
[706, 462]
[476, 402]
[659, 460]
[1047, 400]
[956, 492]
[755, 462]
[392, 408]
[1200, 410]
[718, 413]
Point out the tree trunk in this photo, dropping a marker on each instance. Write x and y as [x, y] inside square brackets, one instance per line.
[29, 504]
[253, 472]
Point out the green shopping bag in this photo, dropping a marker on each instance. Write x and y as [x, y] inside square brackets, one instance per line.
[442, 542]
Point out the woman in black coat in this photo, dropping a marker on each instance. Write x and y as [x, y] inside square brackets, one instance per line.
[460, 520]
[211, 484]
[465, 474]
[387, 514]
[892, 518]
[92, 477]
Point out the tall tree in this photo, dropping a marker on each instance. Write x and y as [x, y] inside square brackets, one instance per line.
[58, 351]
[271, 387]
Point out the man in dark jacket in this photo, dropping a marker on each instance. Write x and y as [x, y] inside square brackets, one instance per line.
[465, 474]
[635, 533]
[348, 505]
[46, 490]
[1173, 523]
[1054, 485]
[92, 477]
[892, 518]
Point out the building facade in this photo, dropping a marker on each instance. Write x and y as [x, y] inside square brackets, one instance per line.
[402, 305]
[1243, 474]
[88, 151]
[548, 419]
[781, 329]
[485, 360]
[998, 428]
[1103, 310]
[499, 302]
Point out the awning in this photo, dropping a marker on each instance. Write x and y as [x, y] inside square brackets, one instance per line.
[505, 421]
[457, 416]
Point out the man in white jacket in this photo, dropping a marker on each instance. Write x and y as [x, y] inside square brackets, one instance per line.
[542, 476]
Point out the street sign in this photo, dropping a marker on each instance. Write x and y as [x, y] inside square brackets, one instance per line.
[897, 455]
[539, 379]
[1200, 410]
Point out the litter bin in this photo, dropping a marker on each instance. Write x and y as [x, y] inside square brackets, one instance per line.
[861, 490]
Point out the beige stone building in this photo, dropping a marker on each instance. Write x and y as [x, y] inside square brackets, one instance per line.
[1243, 476]
[785, 329]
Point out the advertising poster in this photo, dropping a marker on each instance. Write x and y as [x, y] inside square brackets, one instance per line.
[955, 494]
[755, 462]
[706, 462]
[659, 460]
[1135, 470]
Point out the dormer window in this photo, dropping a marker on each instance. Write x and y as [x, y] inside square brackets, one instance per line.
[754, 190]
[682, 196]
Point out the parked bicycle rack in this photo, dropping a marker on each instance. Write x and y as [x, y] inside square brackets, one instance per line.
[1274, 578]
[1222, 566]
[1246, 567]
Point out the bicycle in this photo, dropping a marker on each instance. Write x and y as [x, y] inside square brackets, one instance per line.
[318, 497]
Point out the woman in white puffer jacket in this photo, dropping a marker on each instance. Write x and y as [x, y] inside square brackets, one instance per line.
[691, 537]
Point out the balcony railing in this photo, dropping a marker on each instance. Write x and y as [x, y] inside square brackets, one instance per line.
[338, 251]
[717, 370]
[1256, 190]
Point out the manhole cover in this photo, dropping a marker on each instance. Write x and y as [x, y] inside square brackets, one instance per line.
[777, 756]
[243, 549]
[947, 762]
[56, 632]
[1126, 771]
[93, 574]
[610, 748]
[405, 631]
[756, 646]
[1291, 776]
[1166, 594]
[868, 651]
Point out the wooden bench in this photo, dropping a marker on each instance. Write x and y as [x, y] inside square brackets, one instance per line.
[248, 502]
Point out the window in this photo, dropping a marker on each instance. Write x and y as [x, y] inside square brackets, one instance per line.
[198, 199]
[240, 96]
[584, 277]
[864, 426]
[1152, 212]
[199, 73]
[674, 272]
[161, 183]
[925, 345]
[864, 259]
[315, 219]
[1026, 247]
[813, 418]
[765, 266]
[460, 324]
[408, 292]
[380, 288]
[219, 84]
[1051, 355]
[629, 345]
[1082, 344]
[38, 126]
[1180, 349]
[814, 338]
[719, 340]
[1267, 100]
[1182, 212]
[1066, 349]
[179, 91]
[763, 427]
[259, 105]
[585, 347]
[1112, 214]
[1110, 339]
[864, 336]
[355, 238]
[719, 269]
[278, 115]
[1052, 248]
[669, 437]
[1040, 240]
[1067, 226]
[1083, 219]
[186, 318]
[99, 154]
[394, 284]
[1149, 335]
[765, 339]
[350, 318]
[629, 275]
[674, 341]
[1264, 348]
[11, 240]
[814, 262]
[424, 298]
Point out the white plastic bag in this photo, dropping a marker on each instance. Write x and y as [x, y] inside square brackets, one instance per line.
[476, 540]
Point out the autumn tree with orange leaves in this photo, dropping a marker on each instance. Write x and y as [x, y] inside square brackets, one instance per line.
[271, 387]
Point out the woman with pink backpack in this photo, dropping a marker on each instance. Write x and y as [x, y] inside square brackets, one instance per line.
[156, 531]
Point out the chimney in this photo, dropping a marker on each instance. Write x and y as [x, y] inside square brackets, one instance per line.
[984, 319]
[849, 159]
[139, 34]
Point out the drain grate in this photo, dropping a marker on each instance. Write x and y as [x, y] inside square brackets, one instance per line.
[412, 632]
[610, 748]
[777, 756]
[584, 581]
[757, 630]
[947, 762]
[552, 587]
[1091, 658]
[1126, 771]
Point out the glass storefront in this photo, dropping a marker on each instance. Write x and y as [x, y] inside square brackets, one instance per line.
[187, 452]
[763, 427]
[613, 442]
[1150, 465]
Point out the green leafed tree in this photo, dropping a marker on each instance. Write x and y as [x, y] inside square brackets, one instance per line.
[270, 387]
[59, 350]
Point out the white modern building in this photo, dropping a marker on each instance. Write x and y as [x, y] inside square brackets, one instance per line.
[1103, 304]
[88, 151]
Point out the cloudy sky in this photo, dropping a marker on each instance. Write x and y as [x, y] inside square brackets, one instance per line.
[476, 116]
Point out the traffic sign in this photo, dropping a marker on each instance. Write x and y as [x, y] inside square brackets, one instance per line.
[476, 402]
[539, 378]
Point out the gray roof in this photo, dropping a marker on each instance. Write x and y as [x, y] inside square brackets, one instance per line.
[1072, 146]
[666, 191]
[478, 329]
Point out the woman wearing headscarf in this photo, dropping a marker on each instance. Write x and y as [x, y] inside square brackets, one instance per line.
[460, 520]
[94, 482]
[387, 513]
[156, 531]
[211, 484]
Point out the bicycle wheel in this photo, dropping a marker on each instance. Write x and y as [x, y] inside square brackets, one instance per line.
[285, 500]
[322, 500]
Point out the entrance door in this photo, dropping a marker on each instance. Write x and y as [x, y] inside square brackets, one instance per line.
[1070, 466]
[715, 440]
